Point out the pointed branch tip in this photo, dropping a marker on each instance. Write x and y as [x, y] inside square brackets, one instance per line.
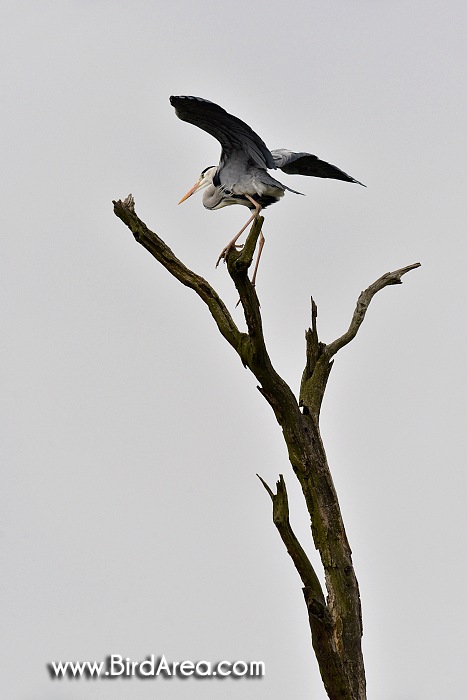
[266, 487]
[128, 203]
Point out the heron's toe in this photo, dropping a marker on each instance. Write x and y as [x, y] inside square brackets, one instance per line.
[226, 251]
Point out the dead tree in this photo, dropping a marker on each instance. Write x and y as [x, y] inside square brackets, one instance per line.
[335, 617]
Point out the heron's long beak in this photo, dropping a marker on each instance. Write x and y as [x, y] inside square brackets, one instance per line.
[192, 191]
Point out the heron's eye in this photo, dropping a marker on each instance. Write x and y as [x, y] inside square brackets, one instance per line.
[205, 171]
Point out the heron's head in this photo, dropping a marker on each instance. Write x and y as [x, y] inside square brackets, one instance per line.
[204, 180]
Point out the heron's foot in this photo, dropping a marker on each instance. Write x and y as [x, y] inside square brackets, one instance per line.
[226, 251]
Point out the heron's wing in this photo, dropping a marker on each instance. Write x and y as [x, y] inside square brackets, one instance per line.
[231, 132]
[307, 164]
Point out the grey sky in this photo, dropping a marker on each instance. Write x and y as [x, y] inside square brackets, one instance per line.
[131, 518]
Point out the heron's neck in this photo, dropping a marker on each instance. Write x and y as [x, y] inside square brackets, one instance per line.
[212, 197]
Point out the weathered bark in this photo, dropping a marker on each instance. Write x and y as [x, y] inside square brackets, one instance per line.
[335, 621]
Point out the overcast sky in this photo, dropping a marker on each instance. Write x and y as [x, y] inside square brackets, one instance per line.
[131, 518]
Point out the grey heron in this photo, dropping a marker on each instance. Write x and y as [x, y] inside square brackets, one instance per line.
[242, 174]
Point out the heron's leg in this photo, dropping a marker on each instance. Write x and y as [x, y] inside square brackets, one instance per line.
[230, 245]
[260, 250]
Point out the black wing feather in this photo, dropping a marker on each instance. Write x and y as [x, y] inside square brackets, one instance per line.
[231, 132]
[308, 164]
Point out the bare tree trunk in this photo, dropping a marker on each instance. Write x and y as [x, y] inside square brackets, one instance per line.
[335, 619]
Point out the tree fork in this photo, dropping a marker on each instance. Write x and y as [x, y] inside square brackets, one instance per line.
[336, 620]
